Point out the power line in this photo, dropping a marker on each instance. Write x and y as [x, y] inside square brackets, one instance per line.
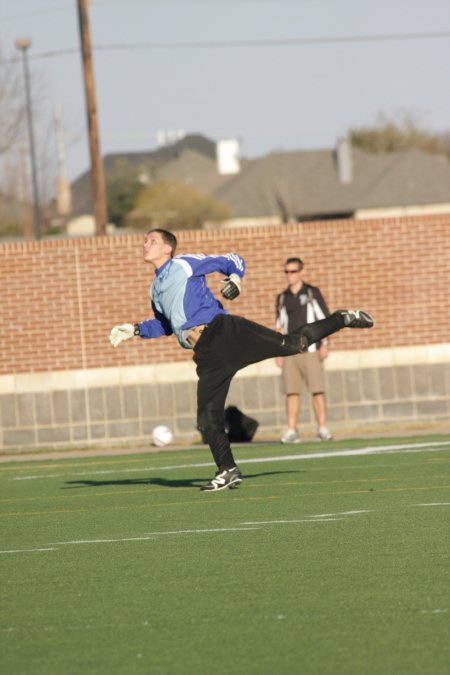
[283, 42]
[145, 3]
[149, 3]
[99, 4]
[233, 44]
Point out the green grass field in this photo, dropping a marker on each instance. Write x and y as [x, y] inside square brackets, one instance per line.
[326, 562]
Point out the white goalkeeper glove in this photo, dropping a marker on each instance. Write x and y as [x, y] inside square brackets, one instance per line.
[231, 287]
[123, 332]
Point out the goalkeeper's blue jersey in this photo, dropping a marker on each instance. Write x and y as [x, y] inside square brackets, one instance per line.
[180, 296]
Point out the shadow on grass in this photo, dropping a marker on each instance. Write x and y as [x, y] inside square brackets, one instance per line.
[162, 482]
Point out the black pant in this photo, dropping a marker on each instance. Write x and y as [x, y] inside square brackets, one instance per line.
[228, 344]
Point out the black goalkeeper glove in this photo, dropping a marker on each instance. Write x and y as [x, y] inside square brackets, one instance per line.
[231, 287]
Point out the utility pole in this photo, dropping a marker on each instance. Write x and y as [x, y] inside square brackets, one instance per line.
[63, 191]
[97, 175]
[27, 218]
[23, 44]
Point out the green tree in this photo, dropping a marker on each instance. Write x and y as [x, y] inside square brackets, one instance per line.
[121, 198]
[175, 205]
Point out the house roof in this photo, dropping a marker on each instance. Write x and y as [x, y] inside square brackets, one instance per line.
[117, 165]
[194, 168]
[306, 184]
[300, 184]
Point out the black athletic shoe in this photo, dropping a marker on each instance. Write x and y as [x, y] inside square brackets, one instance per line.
[224, 479]
[357, 318]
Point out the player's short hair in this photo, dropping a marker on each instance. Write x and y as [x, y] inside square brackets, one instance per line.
[168, 238]
[297, 261]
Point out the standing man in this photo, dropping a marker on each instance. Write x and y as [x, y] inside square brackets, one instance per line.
[222, 343]
[298, 305]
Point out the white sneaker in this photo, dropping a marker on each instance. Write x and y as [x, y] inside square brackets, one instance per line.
[290, 436]
[323, 433]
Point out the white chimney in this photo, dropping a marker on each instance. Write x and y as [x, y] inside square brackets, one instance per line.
[227, 155]
[169, 136]
[344, 161]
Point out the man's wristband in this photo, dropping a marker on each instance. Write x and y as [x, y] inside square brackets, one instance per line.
[137, 330]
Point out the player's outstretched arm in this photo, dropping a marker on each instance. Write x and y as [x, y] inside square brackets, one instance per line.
[231, 287]
[123, 332]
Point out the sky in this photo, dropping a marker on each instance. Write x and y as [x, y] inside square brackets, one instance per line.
[233, 69]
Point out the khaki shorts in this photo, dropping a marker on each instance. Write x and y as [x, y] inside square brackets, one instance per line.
[299, 368]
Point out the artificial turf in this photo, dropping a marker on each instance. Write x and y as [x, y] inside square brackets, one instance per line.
[334, 564]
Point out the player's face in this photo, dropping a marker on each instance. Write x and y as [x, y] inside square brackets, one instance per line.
[156, 251]
[293, 274]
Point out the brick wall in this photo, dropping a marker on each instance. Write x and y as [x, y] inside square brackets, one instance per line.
[63, 385]
[60, 298]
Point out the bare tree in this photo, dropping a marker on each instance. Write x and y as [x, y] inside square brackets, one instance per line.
[15, 176]
[399, 133]
[12, 105]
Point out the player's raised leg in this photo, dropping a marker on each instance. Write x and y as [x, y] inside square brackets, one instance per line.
[342, 318]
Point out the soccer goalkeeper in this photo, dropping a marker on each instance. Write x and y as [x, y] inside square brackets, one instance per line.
[222, 343]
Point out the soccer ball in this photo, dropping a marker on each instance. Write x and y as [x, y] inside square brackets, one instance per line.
[161, 435]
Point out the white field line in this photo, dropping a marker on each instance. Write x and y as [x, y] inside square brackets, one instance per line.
[433, 611]
[246, 526]
[433, 504]
[318, 518]
[29, 550]
[369, 450]
[152, 535]
[146, 537]
[54, 475]
[309, 519]
[343, 513]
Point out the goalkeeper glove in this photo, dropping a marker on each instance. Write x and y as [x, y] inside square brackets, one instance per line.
[231, 287]
[123, 332]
